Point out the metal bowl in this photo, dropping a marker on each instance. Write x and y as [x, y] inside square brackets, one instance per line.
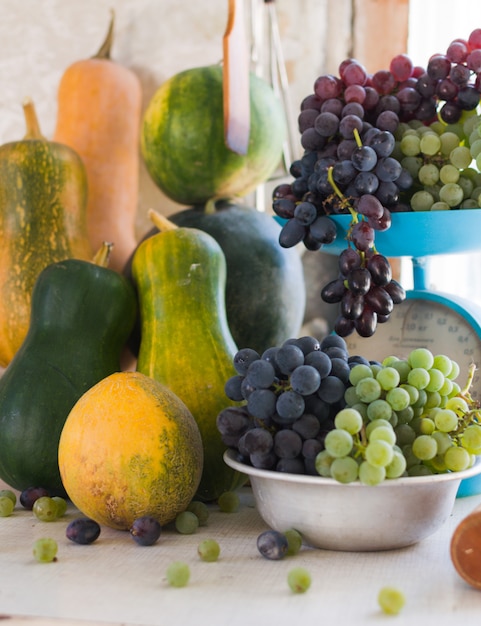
[354, 517]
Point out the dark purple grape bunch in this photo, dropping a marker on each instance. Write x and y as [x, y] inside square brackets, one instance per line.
[290, 395]
[365, 290]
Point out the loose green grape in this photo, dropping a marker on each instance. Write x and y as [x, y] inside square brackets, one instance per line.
[178, 574]
[371, 475]
[388, 378]
[422, 358]
[379, 453]
[391, 600]
[208, 550]
[323, 463]
[349, 419]
[8, 493]
[229, 502]
[446, 420]
[294, 541]
[344, 469]
[201, 510]
[338, 443]
[61, 505]
[6, 506]
[299, 579]
[45, 509]
[418, 377]
[186, 523]
[424, 447]
[457, 459]
[368, 390]
[45, 550]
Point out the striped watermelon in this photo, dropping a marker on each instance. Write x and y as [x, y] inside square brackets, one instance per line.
[182, 138]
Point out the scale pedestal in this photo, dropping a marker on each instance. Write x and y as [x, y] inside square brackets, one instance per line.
[441, 322]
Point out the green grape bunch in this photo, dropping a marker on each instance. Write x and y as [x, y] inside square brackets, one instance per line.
[403, 417]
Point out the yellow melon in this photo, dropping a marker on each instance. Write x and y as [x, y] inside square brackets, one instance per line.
[130, 447]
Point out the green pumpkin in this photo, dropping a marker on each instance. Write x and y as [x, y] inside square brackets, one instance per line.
[82, 313]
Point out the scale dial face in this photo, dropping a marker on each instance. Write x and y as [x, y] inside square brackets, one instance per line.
[438, 324]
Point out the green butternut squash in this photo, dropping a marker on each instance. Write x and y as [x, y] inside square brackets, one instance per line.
[43, 200]
[186, 344]
[81, 316]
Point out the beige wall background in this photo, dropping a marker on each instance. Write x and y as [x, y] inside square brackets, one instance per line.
[156, 39]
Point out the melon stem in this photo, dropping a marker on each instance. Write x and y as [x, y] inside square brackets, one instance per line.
[102, 256]
[162, 223]
[31, 120]
[106, 47]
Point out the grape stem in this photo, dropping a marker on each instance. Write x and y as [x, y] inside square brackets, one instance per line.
[344, 200]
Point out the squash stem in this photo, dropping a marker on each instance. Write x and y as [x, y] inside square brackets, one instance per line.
[102, 256]
[162, 223]
[31, 120]
[106, 47]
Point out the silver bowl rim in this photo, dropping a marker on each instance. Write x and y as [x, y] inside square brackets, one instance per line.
[307, 479]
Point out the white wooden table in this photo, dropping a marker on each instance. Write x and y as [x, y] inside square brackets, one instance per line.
[115, 581]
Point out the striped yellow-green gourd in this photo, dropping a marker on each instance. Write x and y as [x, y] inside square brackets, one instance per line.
[185, 342]
[43, 195]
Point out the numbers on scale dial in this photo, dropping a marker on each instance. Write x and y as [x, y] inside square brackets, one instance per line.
[423, 323]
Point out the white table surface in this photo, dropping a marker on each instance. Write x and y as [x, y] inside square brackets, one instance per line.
[115, 581]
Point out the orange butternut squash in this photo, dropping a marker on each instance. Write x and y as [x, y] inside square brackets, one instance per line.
[99, 110]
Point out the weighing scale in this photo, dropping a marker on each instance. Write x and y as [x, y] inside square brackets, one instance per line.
[441, 322]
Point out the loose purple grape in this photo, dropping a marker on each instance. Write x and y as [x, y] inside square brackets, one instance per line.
[145, 530]
[30, 494]
[83, 530]
[272, 545]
